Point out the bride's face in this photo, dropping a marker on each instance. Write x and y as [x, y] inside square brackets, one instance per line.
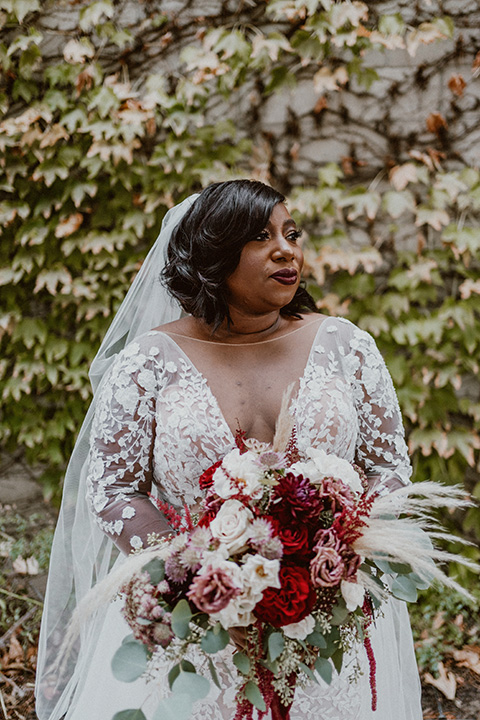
[268, 274]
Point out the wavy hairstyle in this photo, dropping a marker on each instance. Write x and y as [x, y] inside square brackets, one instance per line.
[206, 245]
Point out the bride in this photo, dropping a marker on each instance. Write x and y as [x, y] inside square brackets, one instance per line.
[171, 392]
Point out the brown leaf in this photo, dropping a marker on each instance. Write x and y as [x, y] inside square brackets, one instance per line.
[457, 85]
[436, 123]
[446, 682]
[84, 80]
[476, 65]
[68, 225]
[320, 105]
[347, 165]
[469, 657]
[15, 651]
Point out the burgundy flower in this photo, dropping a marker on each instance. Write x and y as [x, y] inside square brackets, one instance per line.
[293, 602]
[295, 500]
[294, 538]
[213, 590]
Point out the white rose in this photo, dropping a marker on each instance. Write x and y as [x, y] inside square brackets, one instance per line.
[234, 616]
[334, 466]
[300, 630]
[353, 594]
[259, 573]
[232, 525]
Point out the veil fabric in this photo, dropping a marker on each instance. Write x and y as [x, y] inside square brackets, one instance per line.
[81, 553]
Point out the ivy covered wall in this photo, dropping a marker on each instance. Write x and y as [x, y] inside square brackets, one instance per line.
[365, 115]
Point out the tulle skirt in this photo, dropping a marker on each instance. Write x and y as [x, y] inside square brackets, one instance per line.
[99, 695]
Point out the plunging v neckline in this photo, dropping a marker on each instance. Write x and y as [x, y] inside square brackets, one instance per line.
[213, 397]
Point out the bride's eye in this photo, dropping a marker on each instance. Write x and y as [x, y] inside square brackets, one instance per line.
[263, 235]
[294, 236]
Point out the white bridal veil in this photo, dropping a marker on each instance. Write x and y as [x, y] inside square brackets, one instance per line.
[81, 553]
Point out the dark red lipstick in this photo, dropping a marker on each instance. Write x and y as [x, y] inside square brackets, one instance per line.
[287, 276]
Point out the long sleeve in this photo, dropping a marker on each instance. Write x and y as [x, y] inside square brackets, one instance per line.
[381, 447]
[121, 449]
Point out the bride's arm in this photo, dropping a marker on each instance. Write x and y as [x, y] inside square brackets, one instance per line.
[381, 447]
[121, 448]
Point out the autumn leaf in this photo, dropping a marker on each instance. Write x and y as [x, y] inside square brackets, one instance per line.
[401, 175]
[75, 51]
[469, 657]
[68, 225]
[325, 80]
[320, 105]
[436, 123]
[446, 682]
[476, 65]
[457, 84]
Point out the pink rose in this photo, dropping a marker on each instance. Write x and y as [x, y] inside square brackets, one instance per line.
[213, 590]
[326, 568]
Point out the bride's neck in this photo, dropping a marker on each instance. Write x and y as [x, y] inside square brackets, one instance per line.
[248, 327]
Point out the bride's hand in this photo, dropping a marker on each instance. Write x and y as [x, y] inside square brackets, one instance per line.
[239, 637]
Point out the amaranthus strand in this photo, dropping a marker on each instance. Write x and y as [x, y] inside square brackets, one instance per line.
[367, 609]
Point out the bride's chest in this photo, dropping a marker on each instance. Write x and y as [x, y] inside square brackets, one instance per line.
[194, 428]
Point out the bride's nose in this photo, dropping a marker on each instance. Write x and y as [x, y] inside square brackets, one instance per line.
[283, 249]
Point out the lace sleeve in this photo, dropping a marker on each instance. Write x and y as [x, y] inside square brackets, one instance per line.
[121, 448]
[381, 447]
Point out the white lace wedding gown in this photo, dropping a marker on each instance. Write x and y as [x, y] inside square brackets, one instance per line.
[157, 417]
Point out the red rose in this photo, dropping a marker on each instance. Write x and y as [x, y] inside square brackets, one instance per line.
[206, 479]
[294, 537]
[289, 604]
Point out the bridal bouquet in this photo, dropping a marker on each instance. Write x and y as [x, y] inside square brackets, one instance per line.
[296, 552]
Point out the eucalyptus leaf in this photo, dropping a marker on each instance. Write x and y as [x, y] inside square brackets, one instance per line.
[241, 662]
[316, 639]
[308, 672]
[420, 583]
[404, 588]
[339, 614]
[136, 714]
[156, 569]
[191, 684]
[213, 673]
[276, 644]
[183, 665]
[325, 669]
[130, 661]
[175, 707]
[337, 659]
[253, 694]
[181, 616]
[213, 641]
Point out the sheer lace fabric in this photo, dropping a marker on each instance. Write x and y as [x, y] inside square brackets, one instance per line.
[158, 427]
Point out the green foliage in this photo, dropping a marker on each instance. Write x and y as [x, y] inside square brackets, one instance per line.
[94, 151]
[442, 622]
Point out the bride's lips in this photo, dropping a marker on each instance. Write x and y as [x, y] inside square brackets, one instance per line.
[287, 276]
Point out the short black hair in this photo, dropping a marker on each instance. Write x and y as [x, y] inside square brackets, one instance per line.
[206, 245]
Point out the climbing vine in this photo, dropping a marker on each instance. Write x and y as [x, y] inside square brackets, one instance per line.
[109, 120]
